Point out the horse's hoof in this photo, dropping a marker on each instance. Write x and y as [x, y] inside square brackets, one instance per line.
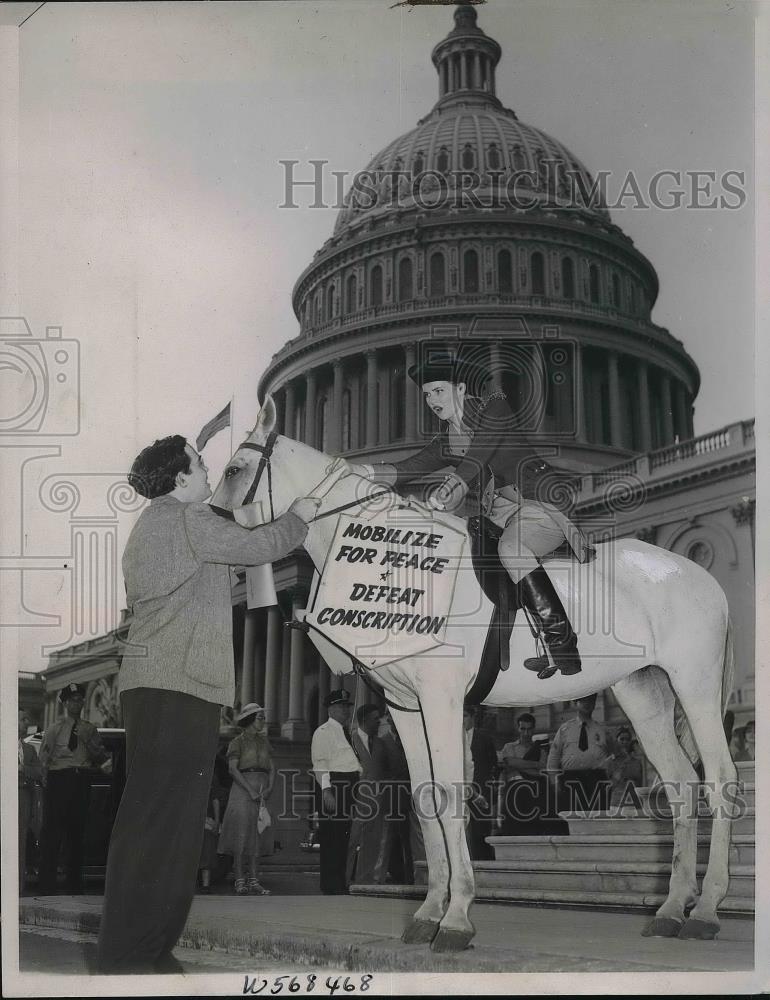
[698, 930]
[420, 932]
[448, 939]
[668, 927]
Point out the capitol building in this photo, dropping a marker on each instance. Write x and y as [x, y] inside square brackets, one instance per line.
[475, 227]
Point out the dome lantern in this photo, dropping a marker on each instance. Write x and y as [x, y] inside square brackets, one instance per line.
[466, 58]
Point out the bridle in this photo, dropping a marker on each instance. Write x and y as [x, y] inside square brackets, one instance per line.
[266, 450]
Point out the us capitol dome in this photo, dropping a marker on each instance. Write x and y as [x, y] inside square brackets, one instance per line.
[476, 227]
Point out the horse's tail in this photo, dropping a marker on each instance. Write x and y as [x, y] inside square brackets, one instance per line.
[681, 725]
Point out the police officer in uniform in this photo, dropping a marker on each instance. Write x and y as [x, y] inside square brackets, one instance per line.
[479, 437]
[69, 749]
[336, 769]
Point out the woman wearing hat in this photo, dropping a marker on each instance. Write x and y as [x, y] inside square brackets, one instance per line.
[253, 773]
[479, 436]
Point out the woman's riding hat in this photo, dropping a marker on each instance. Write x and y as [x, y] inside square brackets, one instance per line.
[441, 366]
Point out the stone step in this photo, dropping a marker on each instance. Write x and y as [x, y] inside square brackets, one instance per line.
[641, 878]
[734, 904]
[635, 825]
[646, 848]
[654, 799]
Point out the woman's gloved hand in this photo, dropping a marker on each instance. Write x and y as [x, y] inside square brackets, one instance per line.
[449, 495]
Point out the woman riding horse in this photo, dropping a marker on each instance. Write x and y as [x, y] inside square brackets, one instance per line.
[479, 436]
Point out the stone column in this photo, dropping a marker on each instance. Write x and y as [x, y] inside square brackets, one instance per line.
[578, 389]
[384, 436]
[355, 412]
[371, 399]
[412, 391]
[335, 420]
[310, 405]
[295, 727]
[324, 687]
[288, 412]
[463, 71]
[477, 70]
[616, 424]
[665, 403]
[645, 421]
[283, 704]
[444, 77]
[259, 659]
[680, 394]
[249, 649]
[273, 663]
[495, 367]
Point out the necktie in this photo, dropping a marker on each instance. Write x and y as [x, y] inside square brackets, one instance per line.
[72, 742]
[583, 738]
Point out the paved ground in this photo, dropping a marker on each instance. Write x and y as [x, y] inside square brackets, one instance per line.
[55, 950]
[363, 933]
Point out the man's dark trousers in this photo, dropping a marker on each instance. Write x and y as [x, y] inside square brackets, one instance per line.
[584, 790]
[65, 809]
[334, 832]
[171, 740]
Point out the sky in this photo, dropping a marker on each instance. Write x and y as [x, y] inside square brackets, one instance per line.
[150, 141]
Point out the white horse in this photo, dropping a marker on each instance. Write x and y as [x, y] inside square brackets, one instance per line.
[668, 651]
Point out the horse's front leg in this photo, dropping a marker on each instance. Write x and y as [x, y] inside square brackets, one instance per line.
[443, 722]
[427, 918]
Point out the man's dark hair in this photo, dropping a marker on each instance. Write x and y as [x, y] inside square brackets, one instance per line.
[364, 710]
[526, 717]
[155, 469]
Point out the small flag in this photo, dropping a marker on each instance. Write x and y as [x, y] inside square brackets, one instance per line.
[220, 421]
[260, 587]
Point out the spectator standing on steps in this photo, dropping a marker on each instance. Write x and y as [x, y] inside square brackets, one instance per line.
[246, 818]
[366, 856]
[336, 770]
[30, 773]
[578, 759]
[70, 748]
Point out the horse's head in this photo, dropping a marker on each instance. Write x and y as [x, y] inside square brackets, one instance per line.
[249, 476]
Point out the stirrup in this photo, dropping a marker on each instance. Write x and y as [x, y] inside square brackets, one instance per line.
[542, 665]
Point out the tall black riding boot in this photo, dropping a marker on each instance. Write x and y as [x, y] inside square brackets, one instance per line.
[539, 597]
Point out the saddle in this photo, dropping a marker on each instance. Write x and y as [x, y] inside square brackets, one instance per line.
[503, 593]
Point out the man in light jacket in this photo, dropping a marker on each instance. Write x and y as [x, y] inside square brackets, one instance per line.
[177, 672]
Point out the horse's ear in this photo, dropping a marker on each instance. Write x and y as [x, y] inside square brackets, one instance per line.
[267, 416]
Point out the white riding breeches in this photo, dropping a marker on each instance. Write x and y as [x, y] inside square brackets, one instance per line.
[529, 533]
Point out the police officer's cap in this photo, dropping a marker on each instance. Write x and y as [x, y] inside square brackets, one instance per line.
[339, 697]
[72, 691]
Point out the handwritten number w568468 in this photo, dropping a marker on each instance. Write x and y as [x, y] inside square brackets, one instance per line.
[253, 985]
